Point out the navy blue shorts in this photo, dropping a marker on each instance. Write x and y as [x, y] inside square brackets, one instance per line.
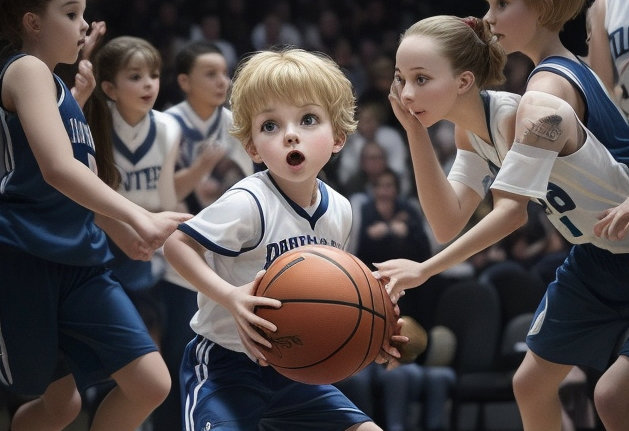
[50, 310]
[225, 390]
[585, 311]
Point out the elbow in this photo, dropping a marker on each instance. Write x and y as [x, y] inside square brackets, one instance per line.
[518, 219]
[55, 177]
[444, 236]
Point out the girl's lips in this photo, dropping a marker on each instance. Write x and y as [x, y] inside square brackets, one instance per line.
[295, 158]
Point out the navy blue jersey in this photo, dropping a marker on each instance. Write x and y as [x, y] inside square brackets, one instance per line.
[602, 117]
[34, 216]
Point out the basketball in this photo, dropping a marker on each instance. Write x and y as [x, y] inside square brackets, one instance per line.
[334, 316]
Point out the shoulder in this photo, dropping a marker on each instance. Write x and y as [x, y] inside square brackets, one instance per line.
[504, 108]
[27, 74]
[167, 124]
[336, 199]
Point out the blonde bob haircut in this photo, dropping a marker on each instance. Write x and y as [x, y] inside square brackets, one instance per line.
[294, 76]
[553, 14]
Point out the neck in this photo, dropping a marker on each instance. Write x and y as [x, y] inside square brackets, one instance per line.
[203, 110]
[547, 46]
[469, 114]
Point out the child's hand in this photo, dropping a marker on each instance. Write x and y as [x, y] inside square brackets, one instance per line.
[157, 227]
[406, 119]
[84, 83]
[212, 153]
[399, 275]
[389, 353]
[93, 38]
[242, 304]
[84, 80]
[614, 222]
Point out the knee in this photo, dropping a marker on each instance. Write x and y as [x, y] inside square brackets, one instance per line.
[608, 399]
[70, 410]
[523, 384]
[146, 381]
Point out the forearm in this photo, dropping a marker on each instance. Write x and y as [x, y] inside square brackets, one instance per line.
[187, 179]
[80, 184]
[437, 197]
[504, 219]
[186, 257]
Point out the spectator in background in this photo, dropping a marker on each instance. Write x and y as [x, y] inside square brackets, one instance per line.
[371, 128]
[324, 34]
[273, 31]
[373, 162]
[387, 225]
[209, 29]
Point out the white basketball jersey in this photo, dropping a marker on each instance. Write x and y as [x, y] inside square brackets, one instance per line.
[145, 156]
[617, 26]
[500, 107]
[581, 186]
[197, 133]
[247, 228]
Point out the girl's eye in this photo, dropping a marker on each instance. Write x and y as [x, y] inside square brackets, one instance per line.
[310, 120]
[421, 80]
[268, 126]
[72, 15]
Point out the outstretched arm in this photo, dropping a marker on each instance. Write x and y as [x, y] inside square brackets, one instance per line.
[37, 108]
[545, 127]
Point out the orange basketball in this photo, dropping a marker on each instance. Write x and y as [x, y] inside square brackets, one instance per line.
[334, 316]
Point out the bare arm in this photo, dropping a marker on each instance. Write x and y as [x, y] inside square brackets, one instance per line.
[186, 256]
[187, 179]
[36, 106]
[447, 206]
[598, 50]
[509, 213]
[84, 80]
[543, 121]
[125, 237]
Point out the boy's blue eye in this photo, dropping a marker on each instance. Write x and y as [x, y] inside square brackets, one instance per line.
[267, 126]
[309, 119]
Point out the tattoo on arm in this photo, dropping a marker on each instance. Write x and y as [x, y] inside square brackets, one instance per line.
[546, 128]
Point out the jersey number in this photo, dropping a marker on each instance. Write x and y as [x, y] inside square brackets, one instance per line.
[561, 202]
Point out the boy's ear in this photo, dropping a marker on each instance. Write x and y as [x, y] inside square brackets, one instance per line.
[339, 143]
[182, 80]
[466, 81]
[253, 152]
[108, 88]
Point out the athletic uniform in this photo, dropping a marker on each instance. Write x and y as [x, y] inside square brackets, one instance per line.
[592, 280]
[56, 295]
[245, 230]
[145, 156]
[478, 170]
[617, 26]
[178, 296]
[198, 133]
[585, 310]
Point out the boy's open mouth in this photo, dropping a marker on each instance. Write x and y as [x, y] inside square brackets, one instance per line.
[294, 158]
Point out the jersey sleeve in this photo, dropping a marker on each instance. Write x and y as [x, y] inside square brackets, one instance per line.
[230, 225]
[472, 170]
